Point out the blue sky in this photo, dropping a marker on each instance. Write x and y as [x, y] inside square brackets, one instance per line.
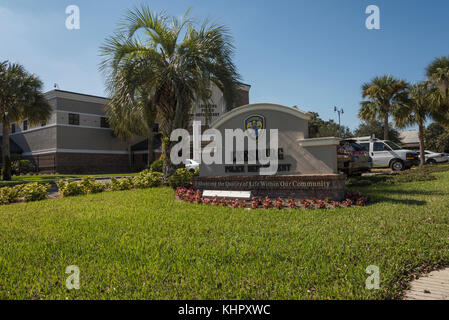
[313, 54]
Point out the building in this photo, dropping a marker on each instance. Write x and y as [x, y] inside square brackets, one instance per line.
[78, 139]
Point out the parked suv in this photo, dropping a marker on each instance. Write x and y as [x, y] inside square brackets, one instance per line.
[352, 158]
[387, 154]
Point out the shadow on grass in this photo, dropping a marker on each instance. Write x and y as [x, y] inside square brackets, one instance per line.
[381, 199]
[380, 195]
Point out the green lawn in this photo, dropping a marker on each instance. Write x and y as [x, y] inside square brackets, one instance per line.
[145, 245]
[54, 177]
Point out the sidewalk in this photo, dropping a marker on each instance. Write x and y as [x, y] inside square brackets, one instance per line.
[433, 286]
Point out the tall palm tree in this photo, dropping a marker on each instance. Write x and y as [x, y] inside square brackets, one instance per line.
[21, 98]
[130, 110]
[383, 94]
[438, 74]
[175, 62]
[416, 110]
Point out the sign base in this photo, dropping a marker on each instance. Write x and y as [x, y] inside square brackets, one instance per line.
[288, 186]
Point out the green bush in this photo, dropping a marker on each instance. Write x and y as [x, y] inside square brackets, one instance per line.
[181, 178]
[147, 179]
[34, 191]
[121, 185]
[23, 167]
[157, 165]
[70, 188]
[197, 172]
[9, 195]
[91, 186]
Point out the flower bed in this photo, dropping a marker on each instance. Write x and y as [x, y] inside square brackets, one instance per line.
[352, 199]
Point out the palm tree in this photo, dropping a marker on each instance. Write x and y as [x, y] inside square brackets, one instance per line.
[438, 74]
[416, 110]
[130, 110]
[383, 94]
[21, 98]
[174, 63]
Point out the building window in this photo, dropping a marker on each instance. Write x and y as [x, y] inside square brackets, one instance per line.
[104, 122]
[74, 119]
[13, 128]
[25, 125]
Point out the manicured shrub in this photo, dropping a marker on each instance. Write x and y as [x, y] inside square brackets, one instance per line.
[121, 185]
[19, 167]
[197, 172]
[90, 186]
[69, 188]
[9, 195]
[181, 178]
[157, 165]
[34, 191]
[147, 179]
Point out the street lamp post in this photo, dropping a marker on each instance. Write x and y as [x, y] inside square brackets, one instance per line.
[340, 112]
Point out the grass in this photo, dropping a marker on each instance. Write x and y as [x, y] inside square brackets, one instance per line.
[144, 245]
[54, 177]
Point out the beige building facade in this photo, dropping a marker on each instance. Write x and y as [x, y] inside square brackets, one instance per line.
[78, 139]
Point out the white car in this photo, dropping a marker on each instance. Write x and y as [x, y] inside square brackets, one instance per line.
[436, 157]
[191, 165]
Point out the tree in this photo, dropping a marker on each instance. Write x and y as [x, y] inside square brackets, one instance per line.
[383, 94]
[175, 62]
[21, 98]
[436, 138]
[130, 110]
[415, 110]
[438, 74]
[319, 128]
[376, 127]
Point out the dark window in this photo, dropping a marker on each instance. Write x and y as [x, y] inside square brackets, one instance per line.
[13, 128]
[104, 122]
[379, 146]
[365, 146]
[74, 119]
[25, 125]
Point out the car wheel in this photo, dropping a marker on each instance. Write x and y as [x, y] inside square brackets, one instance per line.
[397, 165]
[431, 161]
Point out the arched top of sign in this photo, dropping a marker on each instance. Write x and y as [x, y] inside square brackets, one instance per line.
[254, 108]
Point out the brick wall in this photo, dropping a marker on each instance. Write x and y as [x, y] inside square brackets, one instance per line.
[84, 163]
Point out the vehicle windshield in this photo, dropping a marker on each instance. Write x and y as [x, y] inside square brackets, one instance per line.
[393, 145]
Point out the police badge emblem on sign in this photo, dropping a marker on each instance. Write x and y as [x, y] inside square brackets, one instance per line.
[256, 123]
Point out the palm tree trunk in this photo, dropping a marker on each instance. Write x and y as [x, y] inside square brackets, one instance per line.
[150, 148]
[421, 144]
[6, 161]
[386, 128]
